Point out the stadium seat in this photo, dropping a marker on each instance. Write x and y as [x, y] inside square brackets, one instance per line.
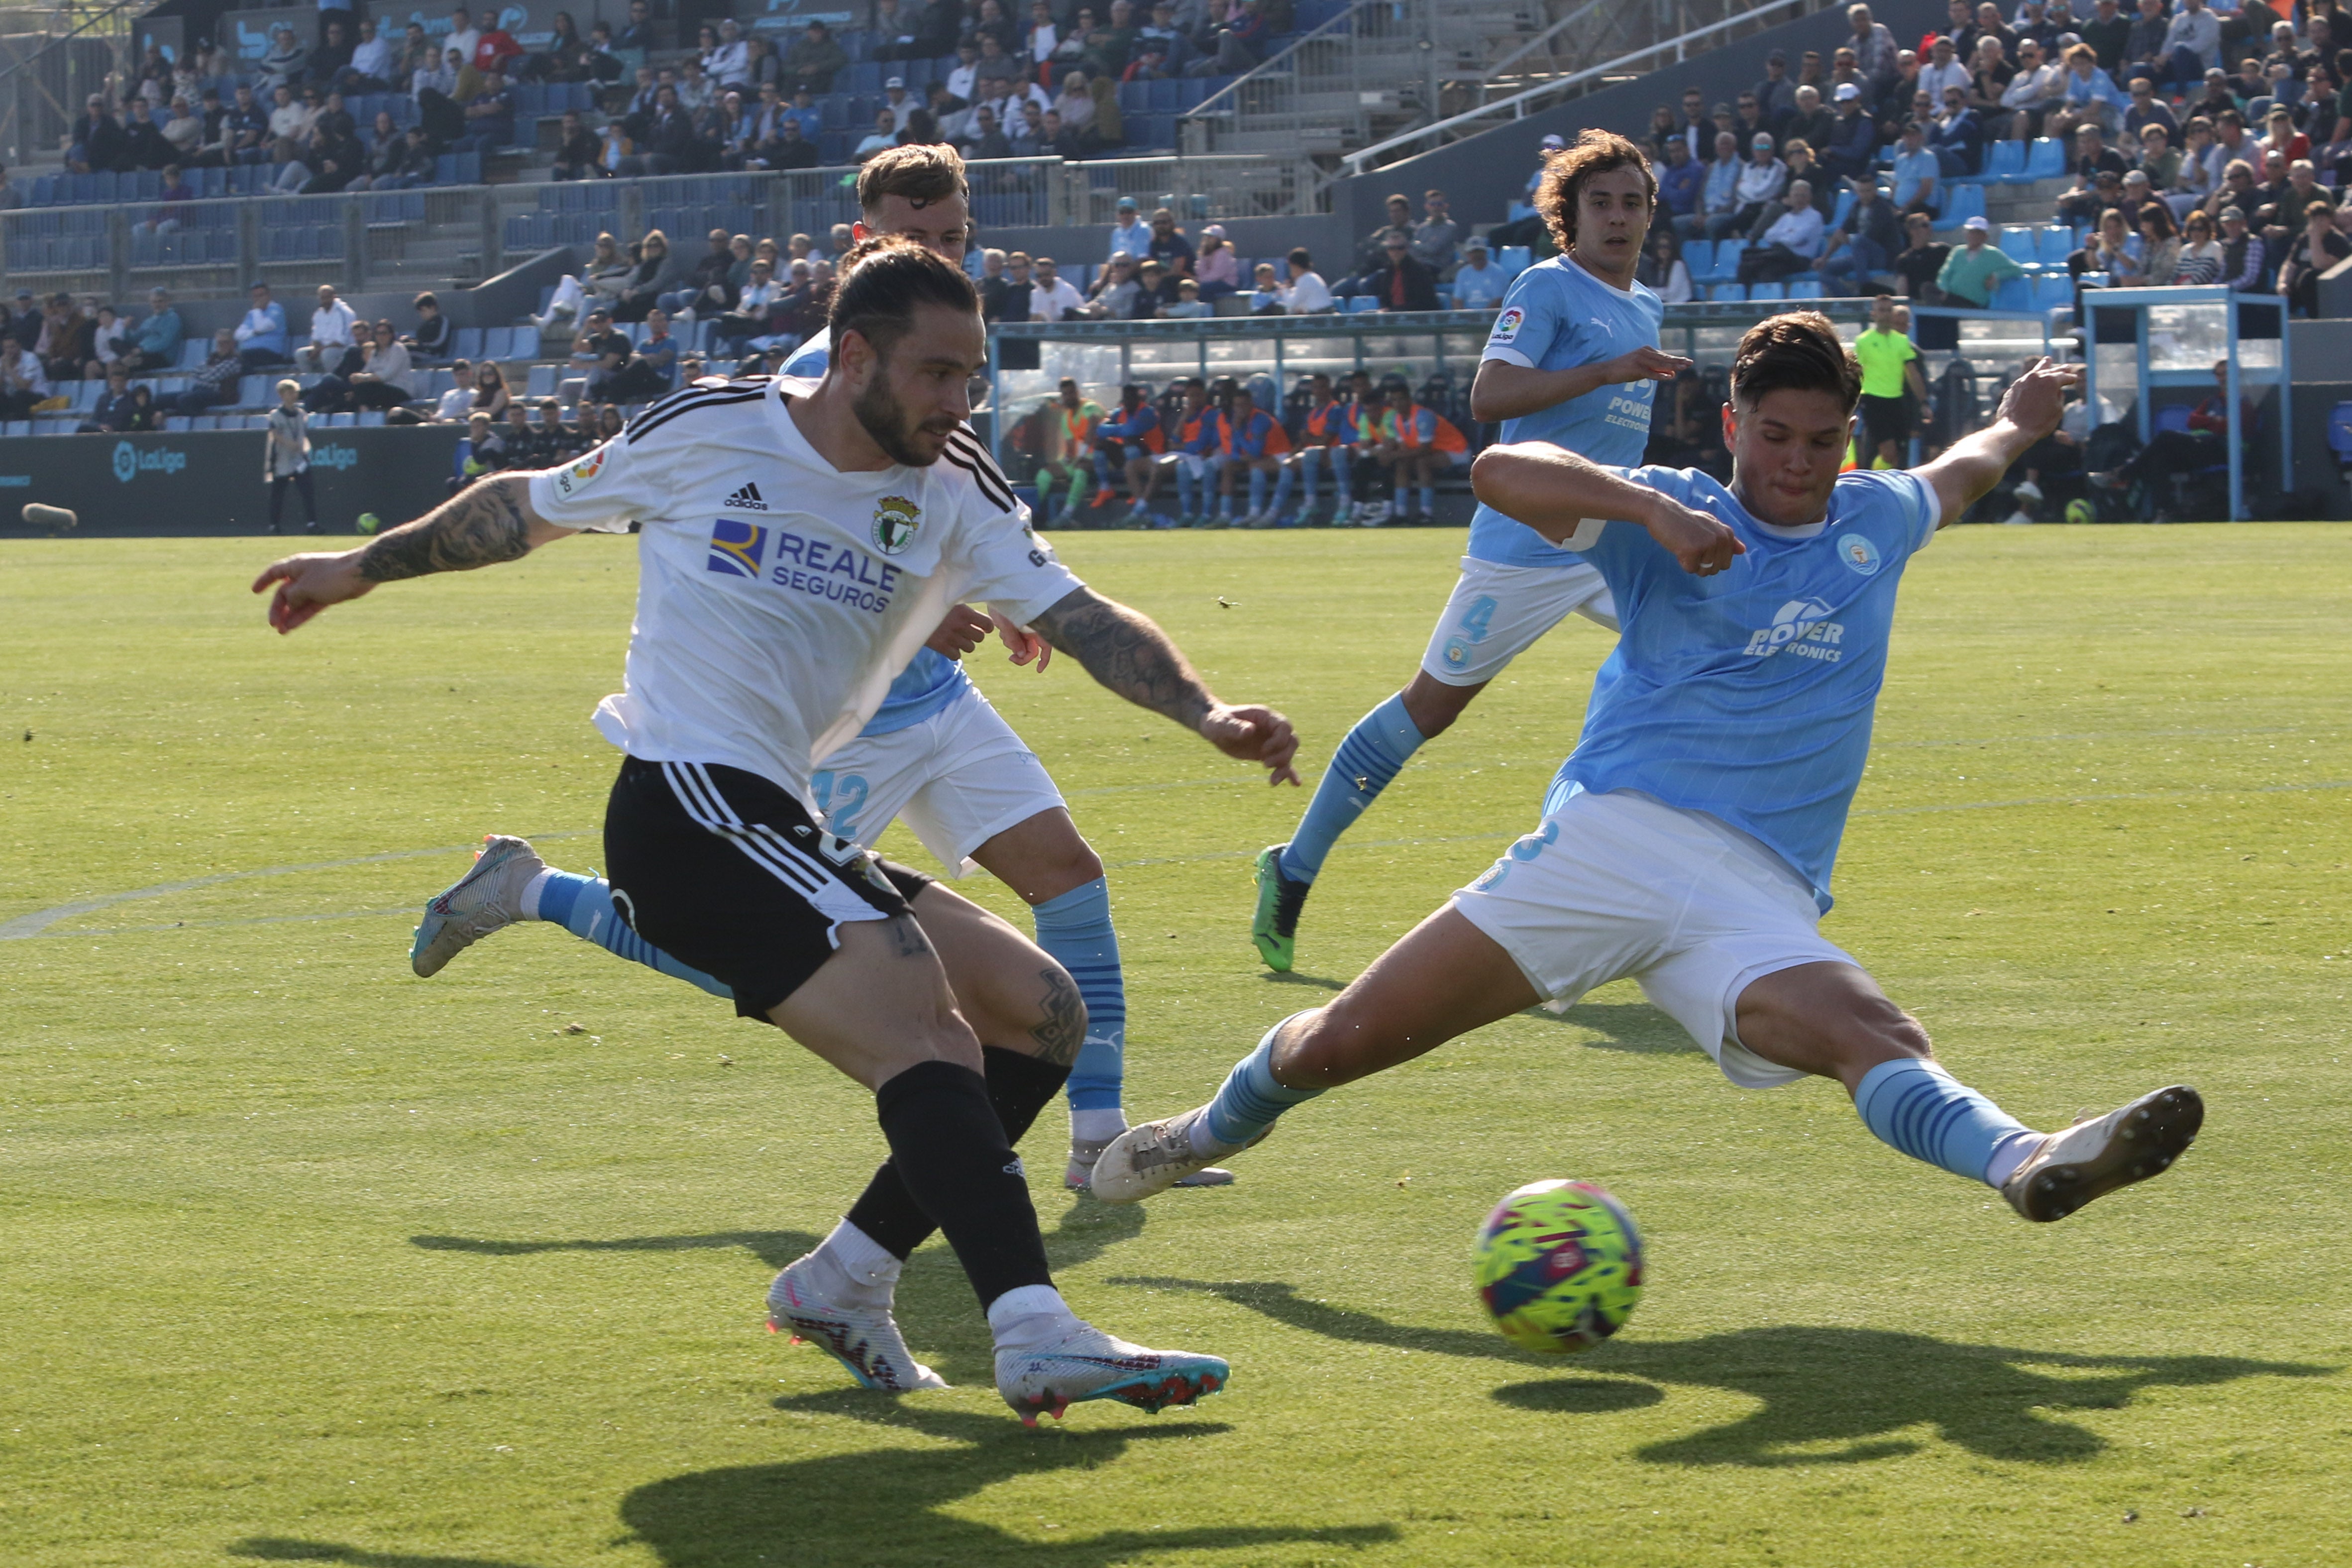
[498, 343]
[1514, 259]
[2021, 244]
[370, 418]
[2173, 416]
[1732, 291]
[1961, 203]
[543, 380]
[2005, 164]
[466, 343]
[344, 420]
[2052, 291]
[1809, 289]
[2014, 294]
[1769, 292]
[2045, 159]
[175, 424]
[1844, 208]
[2057, 243]
[1361, 304]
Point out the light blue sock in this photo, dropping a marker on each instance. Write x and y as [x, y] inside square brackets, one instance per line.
[1102, 469]
[1282, 488]
[583, 906]
[1917, 1108]
[1251, 1099]
[1307, 464]
[1074, 929]
[1256, 491]
[1184, 488]
[1383, 741]
[1429, 502]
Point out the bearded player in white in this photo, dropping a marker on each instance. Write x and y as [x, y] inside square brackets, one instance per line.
[937, 756]
[758, 648]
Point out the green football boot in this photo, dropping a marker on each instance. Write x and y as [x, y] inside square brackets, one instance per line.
[1276, 928]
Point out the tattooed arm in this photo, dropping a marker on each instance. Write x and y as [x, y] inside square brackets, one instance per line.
[1127, 652]
[486, 523]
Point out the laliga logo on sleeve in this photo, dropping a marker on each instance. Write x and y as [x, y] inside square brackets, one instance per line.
[1507, 325]
[1859, 553]
[576, 478]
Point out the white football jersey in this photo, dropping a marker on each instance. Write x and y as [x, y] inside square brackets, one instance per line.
[777, 596]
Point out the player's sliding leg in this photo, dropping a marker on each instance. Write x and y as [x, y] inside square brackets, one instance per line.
[1833, 1019]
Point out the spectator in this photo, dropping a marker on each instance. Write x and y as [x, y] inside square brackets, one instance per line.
[2201, 253]
[330, 57]
[2191, 44]
[749, 317]
[1304, 293]
[261, 336]
[334, 346]
[464, 39]
[2108, 33]
[1872, 45]
[371, 67]
[1852, 147]
[1918, 174]
[706, 290]
[2160, 245]
[489, 117]
[1890, 368]
[1415, 444]
[110, 343]
[215, 382]
[1811, 123]
[2245, 255]
[282, 64]
[1169, 246]
[430, 341]
[2092, 158]
[1435, 237]
[1660, 270]
[144, 146]
[111, 412]
[1943, 70]
[457, 401]
[1720, 193]
[1069, 423]
[388, 379]
[2145, 109]
[2037, 91]
[1680, 183]
[184, 133]
[655, 274]
[2114, 250]
[1921, 261]
[1076, 103]
[2158, 159]
[1051, 297]
[1188, 304]
[286, 456]
[2092, 97]
[578, 150]
[490, 393]
[659, 353]
[23, 388]
[2318, 248]
[1479, 284]
[1865, 245]
[1798, 155]
[64, 343]
[1958, 137]
[1216, 266]
[155, 346]
[1266, 292]
[1971, 273]
[1790, 244]
[728, 62]
[1116, 289]
[1776, 95]
[1403, 282]
[1130, 236]
[642, 34]
[1761, 181]
[2204, 444]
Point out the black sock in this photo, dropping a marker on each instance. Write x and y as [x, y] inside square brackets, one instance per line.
[1018, 1087]
[949, 1149]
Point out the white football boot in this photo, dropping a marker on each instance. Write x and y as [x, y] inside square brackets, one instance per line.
[1085, 1152]
[1153, 1157]
[863, 1338]
[2090, 1159]
[486, 899]
[1086, 1364]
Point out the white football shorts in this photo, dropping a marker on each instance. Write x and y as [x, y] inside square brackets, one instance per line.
[1618, 885]
[1496, 613]
[958, 779]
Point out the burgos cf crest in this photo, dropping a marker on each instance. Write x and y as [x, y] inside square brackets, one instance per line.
[736, 548]
[895, 521]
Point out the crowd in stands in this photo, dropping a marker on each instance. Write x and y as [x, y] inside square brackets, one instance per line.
[2202, 145]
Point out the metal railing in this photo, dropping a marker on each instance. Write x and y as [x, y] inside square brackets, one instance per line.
[45, 76]
[1195, 187]
[1326, 92]
[1646, 57]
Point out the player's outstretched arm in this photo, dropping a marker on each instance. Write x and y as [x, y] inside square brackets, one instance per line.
[1125, 650]
[1502, 389]
[2029, 412]
[1554, 492]
[486, 523]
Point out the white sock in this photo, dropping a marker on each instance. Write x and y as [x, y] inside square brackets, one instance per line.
[856, 1263]
[1029, 1315]
[529, 910]
[1097, 1126]
[2009, 1154]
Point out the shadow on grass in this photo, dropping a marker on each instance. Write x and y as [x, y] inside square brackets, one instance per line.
[892, 1505]
[1623, 1025]
[281, 1549]
[1826, 1396]
[773, 1247]
[1312, 982]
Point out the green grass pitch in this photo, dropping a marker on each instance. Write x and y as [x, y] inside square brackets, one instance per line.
[305, 1260]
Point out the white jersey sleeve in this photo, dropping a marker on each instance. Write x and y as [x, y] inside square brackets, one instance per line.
[608, 487]
[1004, 563]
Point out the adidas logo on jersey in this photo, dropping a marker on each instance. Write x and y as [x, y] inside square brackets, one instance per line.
[746, 500]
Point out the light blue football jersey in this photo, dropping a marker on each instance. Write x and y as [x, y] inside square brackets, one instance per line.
[1749, 694]
[1557, 317]
[933, 680]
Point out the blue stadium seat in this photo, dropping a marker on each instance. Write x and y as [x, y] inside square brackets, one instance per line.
[2057, 243]
[498, 343]
[1961, 203]
[341, 421]
[1362, 304]
[1769, 292]
[1727, 291]
[1806, 289]
[2014, 294]
[466, 343]
[2021, 244]
[543, 379]
[370, 418]
[193, 352]
[1514, 259]
[2045, 159]
[2005, 164]
[2053, 290]
[1842, 209]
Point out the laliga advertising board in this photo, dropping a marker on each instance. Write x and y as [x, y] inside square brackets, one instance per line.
[208, 482]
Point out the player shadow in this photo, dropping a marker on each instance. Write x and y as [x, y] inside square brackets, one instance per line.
[894, 1505]
[283, 1549]
[1623, 1025]
[1825, 1395]
[773, 1247]
[1312, 982]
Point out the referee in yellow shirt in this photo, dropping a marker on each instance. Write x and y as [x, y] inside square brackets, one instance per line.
[1890, 363]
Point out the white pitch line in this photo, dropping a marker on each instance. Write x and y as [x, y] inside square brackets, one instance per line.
[26, 926]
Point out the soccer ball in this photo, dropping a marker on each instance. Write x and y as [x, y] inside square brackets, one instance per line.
[1559, 1266]
[2080, 511]
[368, 523]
